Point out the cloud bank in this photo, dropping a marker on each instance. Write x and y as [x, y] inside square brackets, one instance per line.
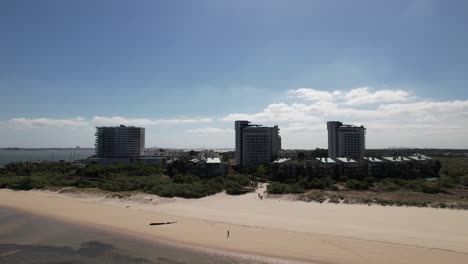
[99, 121]
[47, 122]
[357, 96]
[393, 117]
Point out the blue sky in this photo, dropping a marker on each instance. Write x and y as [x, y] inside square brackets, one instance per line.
[184, 69]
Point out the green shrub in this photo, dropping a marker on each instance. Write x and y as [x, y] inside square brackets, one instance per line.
[357, 185]
[412, 184]
[187, 178]
[241, 179]
[294, 189]
[303, 182]
[23, 183]
[343, 178]
[464, 181]
[234, 189]
[320, 183]
[119, 177]
[426, 188]
[369, 180]
[446, 182]
[277, 188]
[214, 186]
[388, 184]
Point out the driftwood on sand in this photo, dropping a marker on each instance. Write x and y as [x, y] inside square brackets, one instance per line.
[162, 223]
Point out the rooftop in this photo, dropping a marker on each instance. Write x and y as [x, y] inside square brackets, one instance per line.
[395, 159]
[281, 160]
[213, 160]
[325, 160]
[372, 159]
[171, 160]
[119, 126]
[346, 160]
[419, 157]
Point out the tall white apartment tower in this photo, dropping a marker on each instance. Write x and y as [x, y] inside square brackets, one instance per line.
[256, 144]
[346, 140]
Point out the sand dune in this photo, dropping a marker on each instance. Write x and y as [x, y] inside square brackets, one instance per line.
[311, 232]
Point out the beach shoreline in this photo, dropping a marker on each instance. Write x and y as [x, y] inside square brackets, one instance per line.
[169, 242]
[24, 235]
[262, 228]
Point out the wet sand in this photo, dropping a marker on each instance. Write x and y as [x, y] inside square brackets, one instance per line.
[310, 232]
[26, 238]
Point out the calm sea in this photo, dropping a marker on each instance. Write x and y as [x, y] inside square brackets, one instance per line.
[29, 239]
[13, 155]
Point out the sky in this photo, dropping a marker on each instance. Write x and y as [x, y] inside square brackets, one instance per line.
[186, 70]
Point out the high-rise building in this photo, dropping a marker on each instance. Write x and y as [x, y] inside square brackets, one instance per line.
[119, 142]
[256, 144]
[345, 140]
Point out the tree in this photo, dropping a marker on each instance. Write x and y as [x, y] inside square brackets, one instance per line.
[225, 157]
[318, 152]
[437, 167]
[300, 155]
[260, 171]
[464, 181]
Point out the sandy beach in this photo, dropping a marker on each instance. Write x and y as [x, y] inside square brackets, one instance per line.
[278, 228]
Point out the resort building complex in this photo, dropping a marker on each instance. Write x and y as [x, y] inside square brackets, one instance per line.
[121, 142]
[256, 144]
[345, 140]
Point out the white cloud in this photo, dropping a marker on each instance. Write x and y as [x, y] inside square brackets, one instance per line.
[118, 120]
[429, 107]
[393, 117]
[209, 130]
[47, 122]
[310, 94]
[99, 121]
[360, 96]
[357, 96]
[277, 113]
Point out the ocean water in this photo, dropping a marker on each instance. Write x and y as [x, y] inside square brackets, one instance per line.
[29, 239]
[14, 155]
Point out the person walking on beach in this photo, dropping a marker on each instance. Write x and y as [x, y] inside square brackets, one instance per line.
[227, 234]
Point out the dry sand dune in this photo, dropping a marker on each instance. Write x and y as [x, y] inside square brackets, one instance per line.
[311, 232]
